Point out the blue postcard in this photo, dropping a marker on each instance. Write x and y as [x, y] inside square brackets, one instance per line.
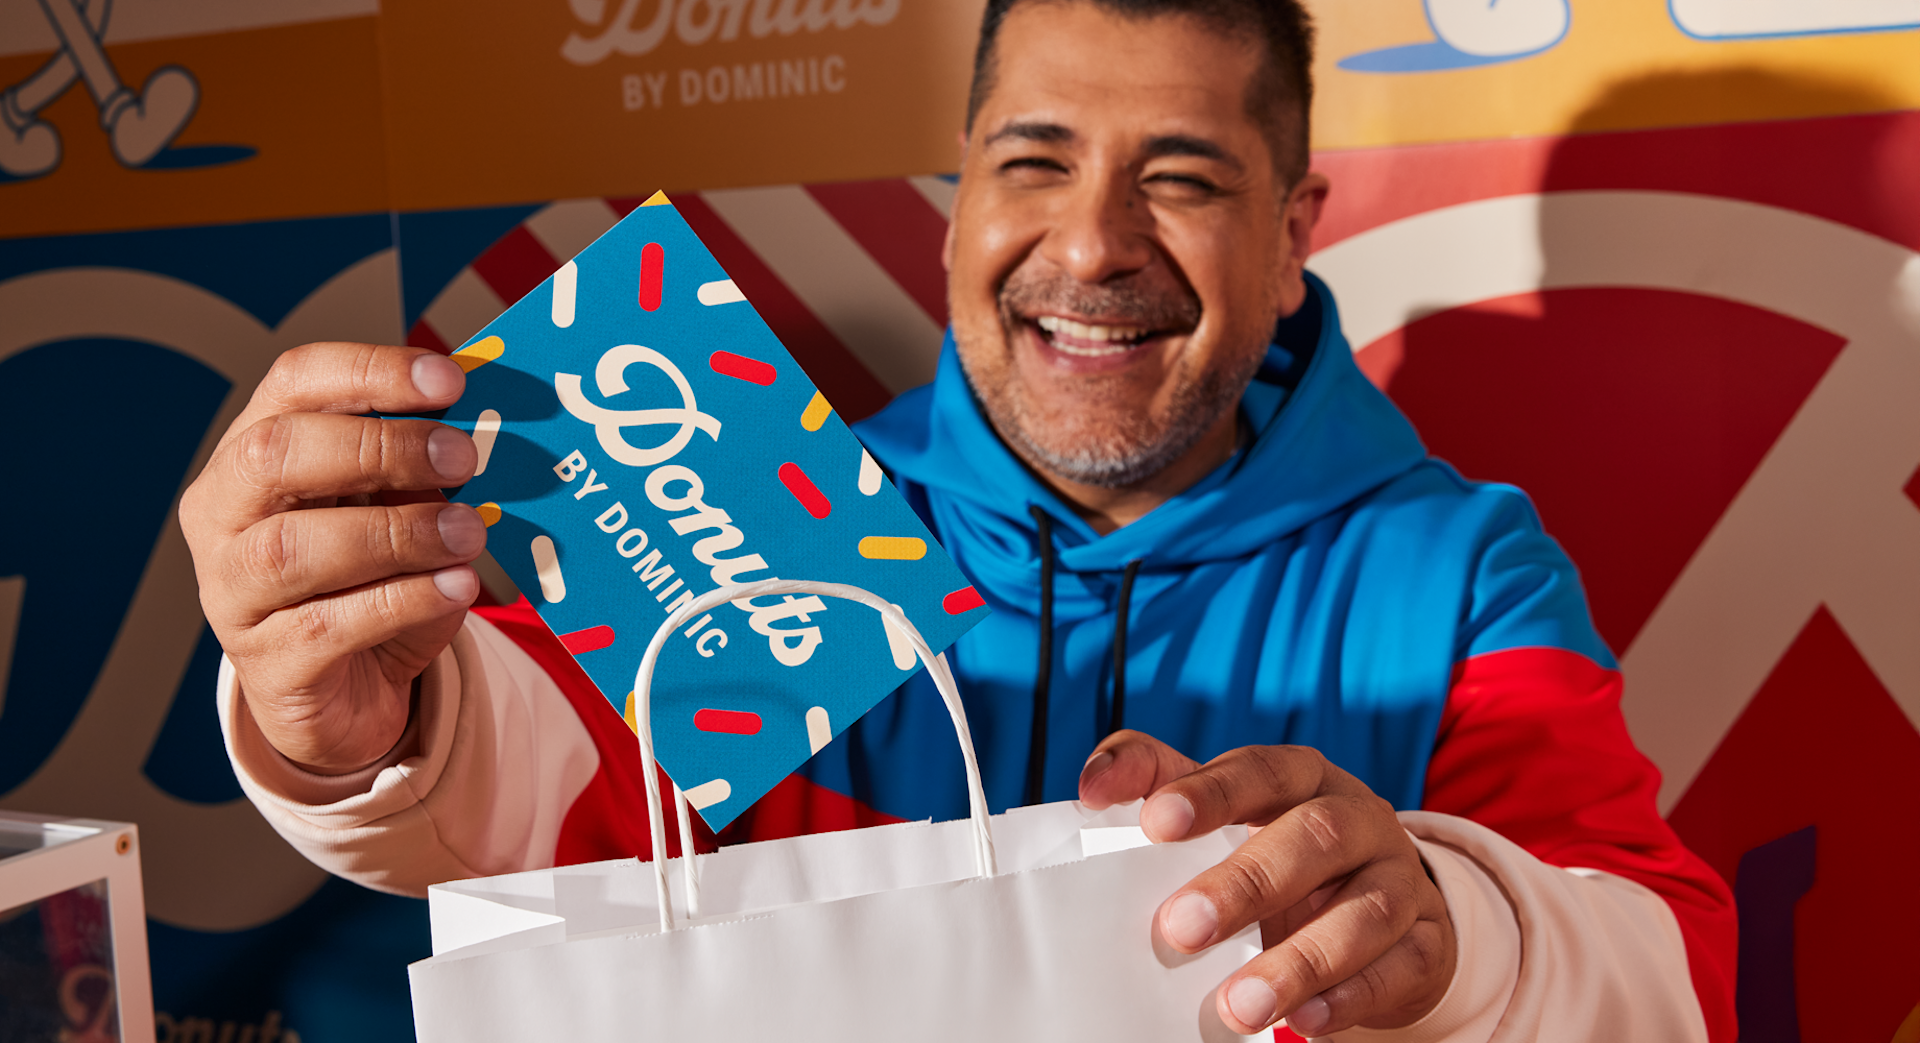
[645, 438]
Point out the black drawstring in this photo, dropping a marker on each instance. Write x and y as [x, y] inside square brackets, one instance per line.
[1043, 675]
[1043, 672]
[1116, 720]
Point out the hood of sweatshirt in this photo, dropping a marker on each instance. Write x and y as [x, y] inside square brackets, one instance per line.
[1322, 435]
[1318, 588]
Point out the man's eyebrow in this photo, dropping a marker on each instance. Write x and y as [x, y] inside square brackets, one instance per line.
[1034, 131]
[1187, 145]
[1044, 133]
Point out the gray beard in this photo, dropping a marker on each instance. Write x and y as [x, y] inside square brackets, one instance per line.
[1134, 451]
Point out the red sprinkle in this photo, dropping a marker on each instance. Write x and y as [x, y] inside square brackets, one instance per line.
[591, 639]
[653, 270]
[740, 367]
[966, 599]
[804, 490]
[730, 722]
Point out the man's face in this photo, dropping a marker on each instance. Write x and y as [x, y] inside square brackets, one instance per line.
[1121, 242]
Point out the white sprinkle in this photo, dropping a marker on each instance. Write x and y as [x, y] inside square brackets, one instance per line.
[546, 561]
[707, 794]
[869, 474]
[565, 282]
[485, 430]
[721, 292]
[819, 731]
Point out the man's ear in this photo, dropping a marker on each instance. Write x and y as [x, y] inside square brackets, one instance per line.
[1304, 205]
[1302, 212]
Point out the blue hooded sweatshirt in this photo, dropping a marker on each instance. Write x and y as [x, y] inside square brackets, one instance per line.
[1319, 589]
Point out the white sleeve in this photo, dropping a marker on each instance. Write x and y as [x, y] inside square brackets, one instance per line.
[1549, 954]
[501, 757]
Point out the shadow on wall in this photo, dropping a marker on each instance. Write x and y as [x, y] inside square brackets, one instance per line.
[1724, 95]
[1644, 409]
[1633, 397]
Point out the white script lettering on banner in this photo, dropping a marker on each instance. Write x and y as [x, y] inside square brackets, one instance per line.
[637, 28]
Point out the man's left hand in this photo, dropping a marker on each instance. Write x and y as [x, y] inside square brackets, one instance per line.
[1354, 929]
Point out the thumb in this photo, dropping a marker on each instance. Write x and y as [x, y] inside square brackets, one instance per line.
[1128, 765]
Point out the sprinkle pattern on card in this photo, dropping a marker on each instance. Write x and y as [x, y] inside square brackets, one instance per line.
[644, 438]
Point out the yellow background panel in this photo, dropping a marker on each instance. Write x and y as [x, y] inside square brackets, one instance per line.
[305, 97]
[1610, 43]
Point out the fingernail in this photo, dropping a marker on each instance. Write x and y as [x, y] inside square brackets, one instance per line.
[1168, 816]
[461, 530]
[1191, 922]
[437, 378]
[457, 584]
[1096, 764]
[1252, 1002]
[451, 454]
[1309, 1020]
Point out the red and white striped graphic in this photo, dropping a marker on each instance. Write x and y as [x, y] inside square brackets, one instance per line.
[1702, 366]
[848, 275]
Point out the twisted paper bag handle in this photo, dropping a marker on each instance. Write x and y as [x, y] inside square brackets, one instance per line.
[937, 668]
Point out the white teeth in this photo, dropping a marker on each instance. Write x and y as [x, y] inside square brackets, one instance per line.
[1069, 348]
[1120, 337]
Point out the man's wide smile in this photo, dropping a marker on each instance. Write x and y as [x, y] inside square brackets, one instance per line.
[1090, 341]
[1091, 344]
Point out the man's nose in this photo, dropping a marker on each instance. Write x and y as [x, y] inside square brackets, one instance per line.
[1102, 229]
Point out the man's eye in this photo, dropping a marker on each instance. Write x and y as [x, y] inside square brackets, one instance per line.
[1185, 183]
[1026, 164]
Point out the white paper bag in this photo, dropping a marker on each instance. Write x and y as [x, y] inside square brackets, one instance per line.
[1036, 924]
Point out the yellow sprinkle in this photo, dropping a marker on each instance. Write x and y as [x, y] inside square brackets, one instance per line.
[489, 513]
[657, 199]
[479, 353]
[816, 413]
[629, 715]
[896, 548]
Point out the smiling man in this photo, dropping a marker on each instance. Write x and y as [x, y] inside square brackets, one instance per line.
[1204, 536]
[1132, 220]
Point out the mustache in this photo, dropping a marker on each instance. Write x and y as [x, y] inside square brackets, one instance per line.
[1122, 302]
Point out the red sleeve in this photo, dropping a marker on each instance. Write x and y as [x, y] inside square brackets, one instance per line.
[1532, 745]
[609, 818]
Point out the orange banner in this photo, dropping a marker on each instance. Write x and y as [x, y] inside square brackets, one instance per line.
[596, 97]
[280, 122]
[428, 106]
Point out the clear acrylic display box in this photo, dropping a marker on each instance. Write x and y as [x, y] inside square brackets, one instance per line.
[73, 932]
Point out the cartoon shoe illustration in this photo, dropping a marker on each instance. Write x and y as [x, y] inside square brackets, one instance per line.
[1509, 29]
[139, 126]
[28, 147]
[1473, 32]
[1734, 20]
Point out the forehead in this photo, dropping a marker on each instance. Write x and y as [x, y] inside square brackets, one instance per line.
[1093, 71]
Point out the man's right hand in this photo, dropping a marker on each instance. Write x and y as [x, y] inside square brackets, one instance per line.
[329, 596]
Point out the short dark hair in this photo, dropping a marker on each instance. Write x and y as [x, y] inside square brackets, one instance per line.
[1281, 95]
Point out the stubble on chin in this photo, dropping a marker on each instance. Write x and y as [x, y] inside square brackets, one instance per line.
[1090, 432]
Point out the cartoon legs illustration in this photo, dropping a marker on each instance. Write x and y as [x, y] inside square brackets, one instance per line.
[1475, 32]
[137, 126]
[1503, 29]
